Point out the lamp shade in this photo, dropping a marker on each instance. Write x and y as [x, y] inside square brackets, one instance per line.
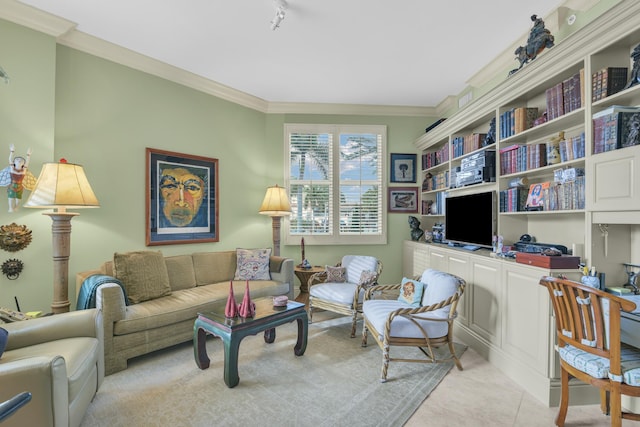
[276, 202]
[62, 185]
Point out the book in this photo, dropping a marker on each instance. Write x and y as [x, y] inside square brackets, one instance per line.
[608, 81]
[536, 196]
[607, 135]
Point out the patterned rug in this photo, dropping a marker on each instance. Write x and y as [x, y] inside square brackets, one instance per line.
[335, 383]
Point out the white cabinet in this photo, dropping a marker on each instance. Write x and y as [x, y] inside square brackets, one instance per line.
[615, 181]
[485, 311]
[415, 258]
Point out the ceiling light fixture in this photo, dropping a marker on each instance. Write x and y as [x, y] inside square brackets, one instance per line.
[281, 6]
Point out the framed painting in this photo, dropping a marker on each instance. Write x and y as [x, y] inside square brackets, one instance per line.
[403, 168]
[403, 199]
[182, 199]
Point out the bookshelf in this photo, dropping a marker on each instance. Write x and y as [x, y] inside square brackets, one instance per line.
[602, 220]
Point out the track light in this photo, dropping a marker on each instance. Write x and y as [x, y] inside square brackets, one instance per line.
[281, 6]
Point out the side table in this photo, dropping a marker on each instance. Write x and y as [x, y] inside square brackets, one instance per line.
[303, 274]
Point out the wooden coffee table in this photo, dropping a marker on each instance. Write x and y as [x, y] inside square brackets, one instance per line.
[232, 331]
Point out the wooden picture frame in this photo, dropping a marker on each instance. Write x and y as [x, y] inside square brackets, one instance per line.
[403, 199]
[403, 168]
[176, 214]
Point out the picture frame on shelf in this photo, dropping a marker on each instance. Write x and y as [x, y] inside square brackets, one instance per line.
[403, 199]
[182, 199]
[403, 168]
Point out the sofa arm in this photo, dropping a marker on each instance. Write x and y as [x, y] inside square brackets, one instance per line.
[83, 323]
[46, 378]
[281, 269]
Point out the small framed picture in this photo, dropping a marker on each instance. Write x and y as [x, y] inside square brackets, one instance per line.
[403, 199]
[403, 168]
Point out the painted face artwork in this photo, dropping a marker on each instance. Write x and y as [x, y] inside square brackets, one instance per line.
[182, 194]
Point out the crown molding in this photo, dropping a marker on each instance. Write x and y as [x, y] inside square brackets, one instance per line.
[349, 109]
[35, 19]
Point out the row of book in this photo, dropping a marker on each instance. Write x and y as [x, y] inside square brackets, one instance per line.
[520, 158]
[436, 181]
[607, 81]
[616, 127]
[517, 120]
[434, 207]
[434, 158]
[466, 144]
[565, 96]
[557, 196]
[513, 199]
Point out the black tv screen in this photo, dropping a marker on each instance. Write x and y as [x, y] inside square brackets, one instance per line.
[471, 219]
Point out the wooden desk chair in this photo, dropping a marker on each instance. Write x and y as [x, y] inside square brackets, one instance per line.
[428, 326]
[344, 294]
[588, 335]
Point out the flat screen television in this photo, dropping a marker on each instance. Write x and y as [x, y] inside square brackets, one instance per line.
[471, 219]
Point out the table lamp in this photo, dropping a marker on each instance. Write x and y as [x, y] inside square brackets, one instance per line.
[276, 205]
[60, 186]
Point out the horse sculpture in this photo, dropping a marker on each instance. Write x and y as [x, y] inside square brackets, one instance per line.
[539, 39]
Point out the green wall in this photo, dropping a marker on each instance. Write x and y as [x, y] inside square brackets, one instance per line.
[102, 115]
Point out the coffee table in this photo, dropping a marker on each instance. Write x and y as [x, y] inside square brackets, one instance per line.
[232, 331]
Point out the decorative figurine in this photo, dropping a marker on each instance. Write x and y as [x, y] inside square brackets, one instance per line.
[490, 137]
[247, 307]
[416, 231]
[539, 39]
[12, 268]
[14, 237]
[17, 177]
[231, 309]
[634, 79]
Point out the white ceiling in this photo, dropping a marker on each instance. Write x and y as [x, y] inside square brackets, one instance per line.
[372, 52]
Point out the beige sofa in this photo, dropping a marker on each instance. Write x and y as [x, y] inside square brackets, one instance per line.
[59, 360]
[197, 282]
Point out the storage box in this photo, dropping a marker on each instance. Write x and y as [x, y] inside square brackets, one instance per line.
[539, 260]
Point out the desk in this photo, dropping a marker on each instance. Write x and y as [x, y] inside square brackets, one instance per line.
[303, 274]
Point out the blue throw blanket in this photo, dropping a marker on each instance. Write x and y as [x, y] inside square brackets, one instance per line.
[87, 294]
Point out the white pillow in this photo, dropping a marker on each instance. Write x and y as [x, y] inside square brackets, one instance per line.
[252, 264]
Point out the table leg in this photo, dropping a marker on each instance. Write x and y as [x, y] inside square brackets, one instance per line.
[270, 335]
[301, 343]
[200, 348]
[231, 350]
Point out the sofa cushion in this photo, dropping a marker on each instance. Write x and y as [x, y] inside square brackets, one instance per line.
[214, 267]
[181, 272]
[411, 292]
[252, 264]
[143, 273]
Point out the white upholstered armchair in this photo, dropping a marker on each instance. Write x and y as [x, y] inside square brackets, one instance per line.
[341, 288]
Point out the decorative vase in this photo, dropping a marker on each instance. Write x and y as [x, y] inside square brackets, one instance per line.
[247, 307]
[231, 309]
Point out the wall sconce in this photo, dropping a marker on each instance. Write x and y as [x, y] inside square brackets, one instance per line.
[276, 205]
[60, 186]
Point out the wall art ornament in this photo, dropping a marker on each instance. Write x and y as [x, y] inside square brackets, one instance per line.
[14, 237]
[17, 177]
[12, 268]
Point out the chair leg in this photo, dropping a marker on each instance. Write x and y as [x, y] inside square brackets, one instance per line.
[615, 408]
[364, 334]
[310, 313]
[604, 401]
[455, 357]
[385, 362]
[353, 324]
[564, 398]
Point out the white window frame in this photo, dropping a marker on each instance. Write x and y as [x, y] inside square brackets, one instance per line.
[335, 238]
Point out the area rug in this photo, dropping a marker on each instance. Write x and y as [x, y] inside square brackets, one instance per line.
[335, 383]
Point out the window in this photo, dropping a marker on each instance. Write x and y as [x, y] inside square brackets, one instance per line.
[335, 181]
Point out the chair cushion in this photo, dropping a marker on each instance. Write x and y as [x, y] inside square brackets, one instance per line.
[377, 313]
[143, 274]
[4, 335]
[598, 367]
[336, 274]
[356, 264]
[253, 264]
[438, 286]
[411, 292]
[368, 278]
[341, 293]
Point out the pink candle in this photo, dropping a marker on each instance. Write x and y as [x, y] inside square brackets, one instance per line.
[302, 247]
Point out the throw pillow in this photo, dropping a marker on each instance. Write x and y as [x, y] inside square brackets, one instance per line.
[143, 274]
[252, 264]
[411, 292]
[335, 274]
[368, 278]
[4, 336]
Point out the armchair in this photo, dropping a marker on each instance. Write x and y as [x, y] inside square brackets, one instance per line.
[588, 335]
[344, 295]
[60, 360]
[428, 325]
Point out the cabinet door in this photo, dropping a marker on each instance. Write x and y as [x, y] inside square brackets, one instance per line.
[459, 266]
[527, 317]
[485, 316]
[438, 259]
[615, 180]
